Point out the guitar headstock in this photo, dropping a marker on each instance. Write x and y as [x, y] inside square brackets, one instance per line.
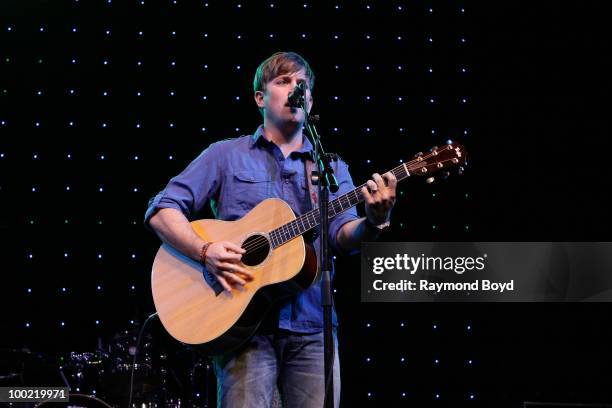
[438, 158]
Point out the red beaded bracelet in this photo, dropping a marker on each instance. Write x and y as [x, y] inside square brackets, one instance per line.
[203, 252]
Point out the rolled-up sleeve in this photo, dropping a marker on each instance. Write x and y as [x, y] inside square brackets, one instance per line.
[189, 191]
[345, 184]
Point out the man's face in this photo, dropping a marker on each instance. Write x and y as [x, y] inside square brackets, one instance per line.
[274, 99]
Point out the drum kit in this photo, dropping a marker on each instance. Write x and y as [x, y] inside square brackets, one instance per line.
[117, 375]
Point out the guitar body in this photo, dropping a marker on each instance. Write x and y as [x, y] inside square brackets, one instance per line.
[192, 305]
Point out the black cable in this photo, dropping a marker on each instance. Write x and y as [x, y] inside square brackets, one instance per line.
[136, 354]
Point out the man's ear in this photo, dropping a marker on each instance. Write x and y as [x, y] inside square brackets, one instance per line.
[310, 101]
[259, 99]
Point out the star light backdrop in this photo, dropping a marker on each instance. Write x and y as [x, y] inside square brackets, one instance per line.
[102, 102]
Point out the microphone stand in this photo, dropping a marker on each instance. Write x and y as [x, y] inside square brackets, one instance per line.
[326, 182]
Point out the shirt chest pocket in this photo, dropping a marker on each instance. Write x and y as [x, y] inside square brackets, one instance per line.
[251, 188]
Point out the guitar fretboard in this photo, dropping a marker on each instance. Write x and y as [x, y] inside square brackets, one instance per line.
[310, 220]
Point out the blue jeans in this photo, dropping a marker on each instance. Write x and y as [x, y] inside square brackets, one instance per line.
[291, 361]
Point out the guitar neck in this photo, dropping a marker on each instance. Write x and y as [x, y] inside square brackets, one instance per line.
[310, 220]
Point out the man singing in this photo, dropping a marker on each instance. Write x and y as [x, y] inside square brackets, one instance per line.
[236, 174]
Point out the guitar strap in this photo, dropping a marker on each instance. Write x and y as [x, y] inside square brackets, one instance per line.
[313, 191]
[313, 194]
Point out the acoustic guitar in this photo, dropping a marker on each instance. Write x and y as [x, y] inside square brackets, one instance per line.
[193, 306]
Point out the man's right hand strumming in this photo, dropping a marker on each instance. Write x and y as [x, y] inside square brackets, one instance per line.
[223, 260]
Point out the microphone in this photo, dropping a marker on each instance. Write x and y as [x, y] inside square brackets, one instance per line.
[296, 97]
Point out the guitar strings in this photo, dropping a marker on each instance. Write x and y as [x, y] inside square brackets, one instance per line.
[261, 242]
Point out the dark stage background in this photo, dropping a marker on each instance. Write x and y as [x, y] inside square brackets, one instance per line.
[102, 102]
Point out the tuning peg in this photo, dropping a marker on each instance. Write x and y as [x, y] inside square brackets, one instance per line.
[445, 174]
[419, 154]
[460, 170]
[430, 180]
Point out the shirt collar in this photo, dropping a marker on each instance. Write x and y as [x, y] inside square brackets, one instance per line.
[258, 137]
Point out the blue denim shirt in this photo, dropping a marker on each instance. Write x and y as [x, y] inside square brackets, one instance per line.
[235, 175]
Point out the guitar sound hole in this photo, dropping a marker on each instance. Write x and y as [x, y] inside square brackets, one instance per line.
[257, 249]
